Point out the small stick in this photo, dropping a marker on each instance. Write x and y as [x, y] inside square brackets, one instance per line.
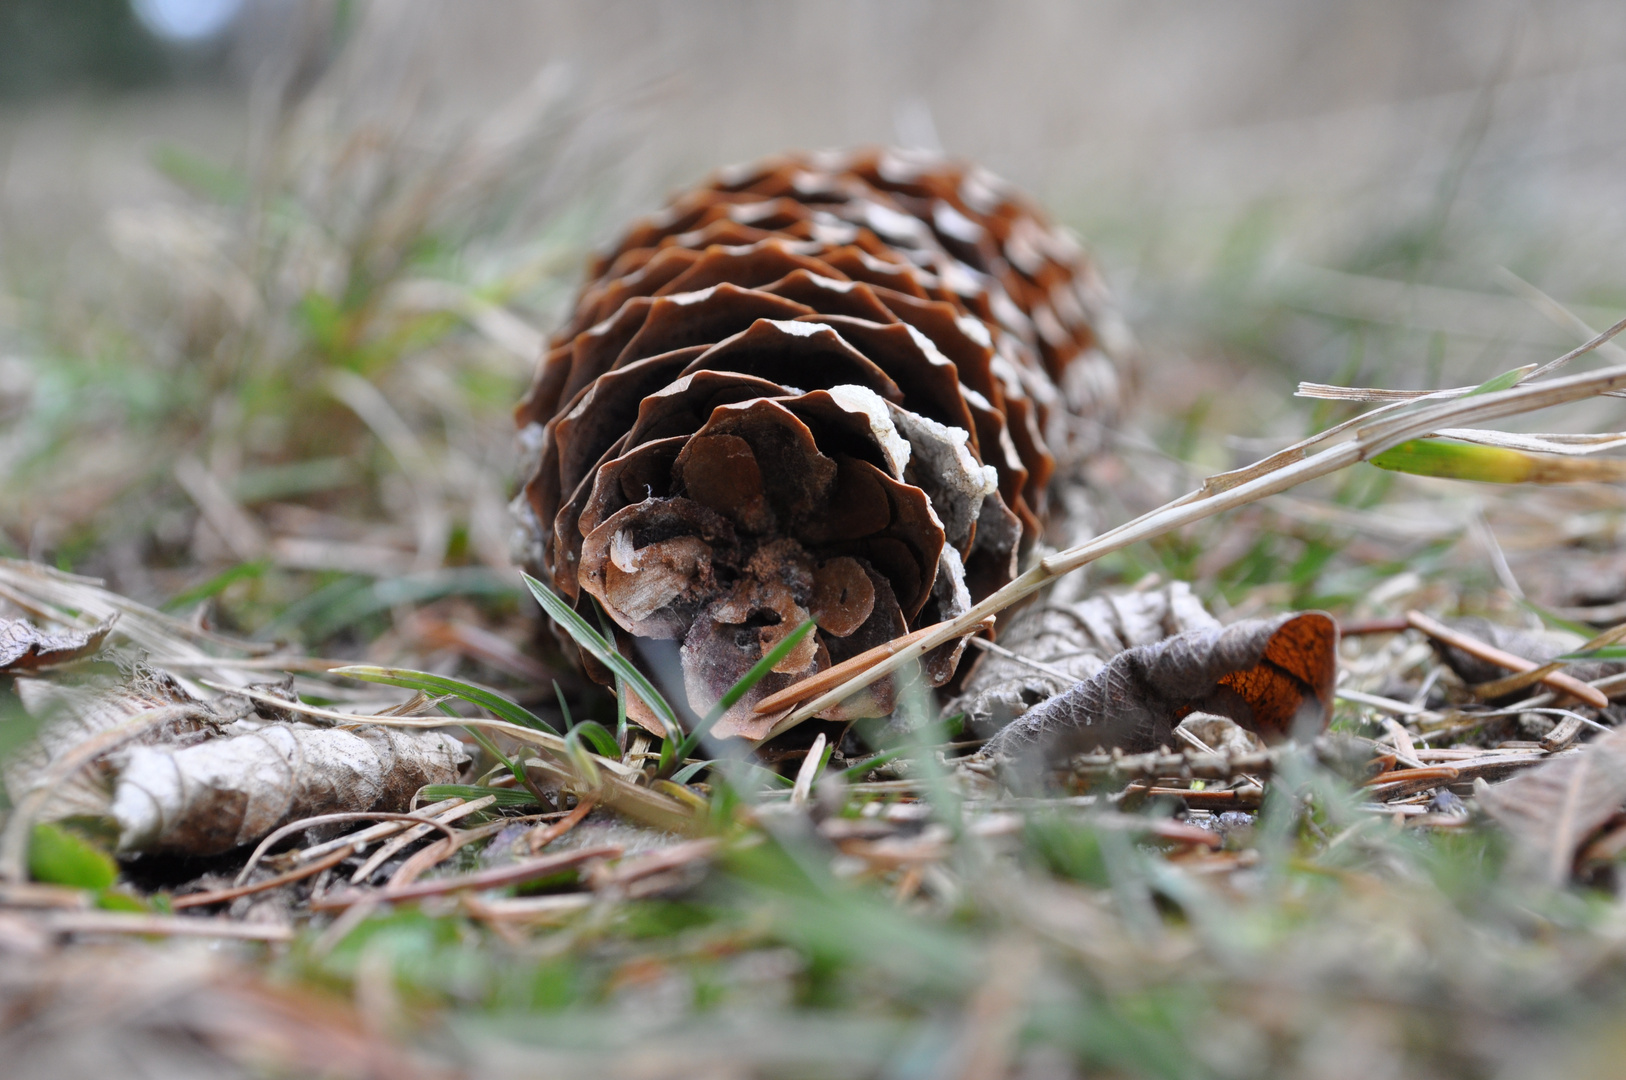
[832, 676]
[1396, 625]
[1514, 683]
[1559, 681]
[1409, 781]
[543, 835]
[651, 863]
[221, 896]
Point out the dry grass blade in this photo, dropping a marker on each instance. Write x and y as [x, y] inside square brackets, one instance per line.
[545, 740]
[1514, 683]
[442, 821]
[330, 819]
[809, 769]
[1367, 440]
[84, 603]
[1547, 443]
[496, 878]
[1328, 392]
[441, 850]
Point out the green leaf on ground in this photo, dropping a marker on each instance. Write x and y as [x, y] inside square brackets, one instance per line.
[57, 856]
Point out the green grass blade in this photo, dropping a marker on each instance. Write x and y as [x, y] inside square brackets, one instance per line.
[487, 745]
[690, 771]
[855, 772]
[599, 736]
[1555, 620]
[586, 767]
[1457, 461]
[564, 706]
[217, 584]
[498, 705]
[1503, 381]
[604, 652]
[505, 796]
[1606, 652]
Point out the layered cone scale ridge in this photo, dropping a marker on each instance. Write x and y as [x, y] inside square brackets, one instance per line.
[834, 386]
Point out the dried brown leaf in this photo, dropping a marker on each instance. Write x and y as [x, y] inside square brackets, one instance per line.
[1273, 677]
[1550, 811]
[1050, 647]
[214, 796]
[25, 647]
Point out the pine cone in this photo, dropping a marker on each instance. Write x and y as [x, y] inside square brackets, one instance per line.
[831, 385]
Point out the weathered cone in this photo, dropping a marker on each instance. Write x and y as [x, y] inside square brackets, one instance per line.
[832, 385]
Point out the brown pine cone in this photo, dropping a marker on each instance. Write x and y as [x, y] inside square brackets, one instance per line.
[826, 385]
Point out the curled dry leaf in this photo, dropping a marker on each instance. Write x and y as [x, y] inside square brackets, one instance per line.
[70, 714]
[1273, 677]
[224, 779]
[1056, 646]
[25, 647]
[212, 797]
[1550, 811]
[828, 386]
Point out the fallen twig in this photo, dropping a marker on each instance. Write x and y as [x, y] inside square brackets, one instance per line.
[300, 873]
[117, 922]
[1559, 681]
[543, 835]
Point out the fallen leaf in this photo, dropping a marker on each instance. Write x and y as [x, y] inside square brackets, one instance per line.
[1273, 677]
[25, 647]
[217, 795]
[1058, 645]
[1551, 810]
